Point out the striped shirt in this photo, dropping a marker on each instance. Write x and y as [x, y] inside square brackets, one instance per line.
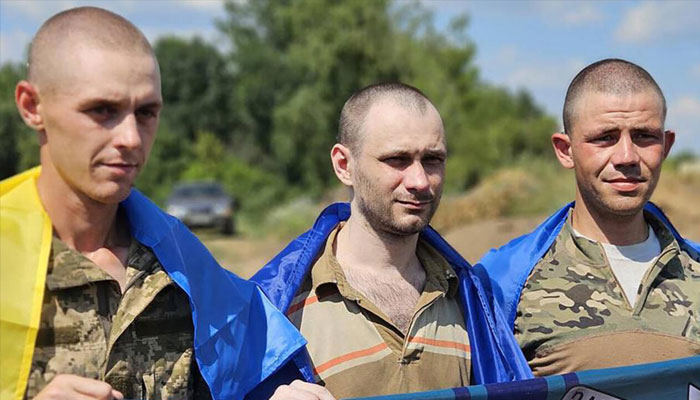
[357, 351]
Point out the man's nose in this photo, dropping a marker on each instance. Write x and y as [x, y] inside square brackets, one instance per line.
[625, 151]
[127, 133]
[416, 178]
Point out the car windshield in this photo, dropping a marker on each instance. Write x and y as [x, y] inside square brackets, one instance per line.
[196, 190]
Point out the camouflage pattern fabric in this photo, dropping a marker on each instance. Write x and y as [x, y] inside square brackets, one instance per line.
[140, 342]
[573, 314]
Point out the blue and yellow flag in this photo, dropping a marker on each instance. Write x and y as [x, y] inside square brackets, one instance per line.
[240, 338]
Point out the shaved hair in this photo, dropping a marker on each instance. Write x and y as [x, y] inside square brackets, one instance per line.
[83, 26]
[609, 76]
[358, 105]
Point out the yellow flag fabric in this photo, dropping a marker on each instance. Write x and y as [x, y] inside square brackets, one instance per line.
[25, 243]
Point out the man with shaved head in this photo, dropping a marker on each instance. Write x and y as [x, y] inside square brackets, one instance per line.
[103, 295]
[386, 305]
[606, 281]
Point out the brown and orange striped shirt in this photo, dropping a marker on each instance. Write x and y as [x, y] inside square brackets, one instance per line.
[357, 351]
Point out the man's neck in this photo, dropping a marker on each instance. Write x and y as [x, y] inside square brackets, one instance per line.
[359, 246]
[82, 223]
[619, 230]
[383, 267]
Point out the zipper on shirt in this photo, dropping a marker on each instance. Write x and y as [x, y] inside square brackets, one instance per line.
[608, 265]
[112, 340]
[648, 278]
[635, 308]
[407, 338]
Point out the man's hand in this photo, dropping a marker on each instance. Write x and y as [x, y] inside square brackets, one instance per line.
[300, 390]
[69, 387]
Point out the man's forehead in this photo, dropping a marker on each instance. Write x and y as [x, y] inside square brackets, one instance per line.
[597, 105]
[403, 133]
[390, 116]
[628, 101]
[92, 69]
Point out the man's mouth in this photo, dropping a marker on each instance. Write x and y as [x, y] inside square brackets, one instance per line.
[121, 168]
[415, 204]
[627, 184]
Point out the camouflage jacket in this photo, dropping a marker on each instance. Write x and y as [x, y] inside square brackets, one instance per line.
[140, 342]
[573, 314]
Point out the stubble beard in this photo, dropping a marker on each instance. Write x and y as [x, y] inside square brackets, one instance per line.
[378, 211]
[613, 208]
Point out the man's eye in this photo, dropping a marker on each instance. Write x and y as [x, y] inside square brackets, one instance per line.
[146, 113]
[103, 111]
[397, 160]
[433, 160]
[647, 136]
[603, 139]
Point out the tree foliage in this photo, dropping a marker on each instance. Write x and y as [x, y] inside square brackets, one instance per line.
[19, 149]
[296, 62]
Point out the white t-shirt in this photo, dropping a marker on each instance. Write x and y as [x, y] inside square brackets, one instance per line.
[630, 263]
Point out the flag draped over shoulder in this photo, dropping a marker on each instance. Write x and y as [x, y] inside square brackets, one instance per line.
[667, 380]
[239, 336]
[496, 356]
[25, 244]
[508, 267]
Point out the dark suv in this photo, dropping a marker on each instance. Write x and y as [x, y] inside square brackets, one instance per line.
[202, 204]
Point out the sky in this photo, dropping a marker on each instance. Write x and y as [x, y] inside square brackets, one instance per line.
[536, 45]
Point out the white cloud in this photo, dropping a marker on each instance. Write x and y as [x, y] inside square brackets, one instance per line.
[684, 119]
[570, 13]
[554, 13]
[650, 21]
[686, 106]
[544, 75]
[206, 5]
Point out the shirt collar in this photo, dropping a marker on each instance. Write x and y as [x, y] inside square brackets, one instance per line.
[593, 252]
[69, 268]
[328, 271]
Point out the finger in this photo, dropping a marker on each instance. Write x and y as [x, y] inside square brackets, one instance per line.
[289, 393]
[80, 396]
[117, 394]
[319, 391]
[90, 387]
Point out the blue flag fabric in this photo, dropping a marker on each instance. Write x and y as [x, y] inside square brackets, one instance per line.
[508, 267]
[667, 380]
[496, 356]
[240, 338]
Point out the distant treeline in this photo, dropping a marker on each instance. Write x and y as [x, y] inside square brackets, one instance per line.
[261, 116]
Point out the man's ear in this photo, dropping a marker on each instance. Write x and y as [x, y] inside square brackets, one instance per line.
[561, 142]
[27, 101]
[669, 139]
[342, 161]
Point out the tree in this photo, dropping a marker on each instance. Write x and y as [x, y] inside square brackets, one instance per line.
[197, 88]
[296, 62]
[20, 149]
